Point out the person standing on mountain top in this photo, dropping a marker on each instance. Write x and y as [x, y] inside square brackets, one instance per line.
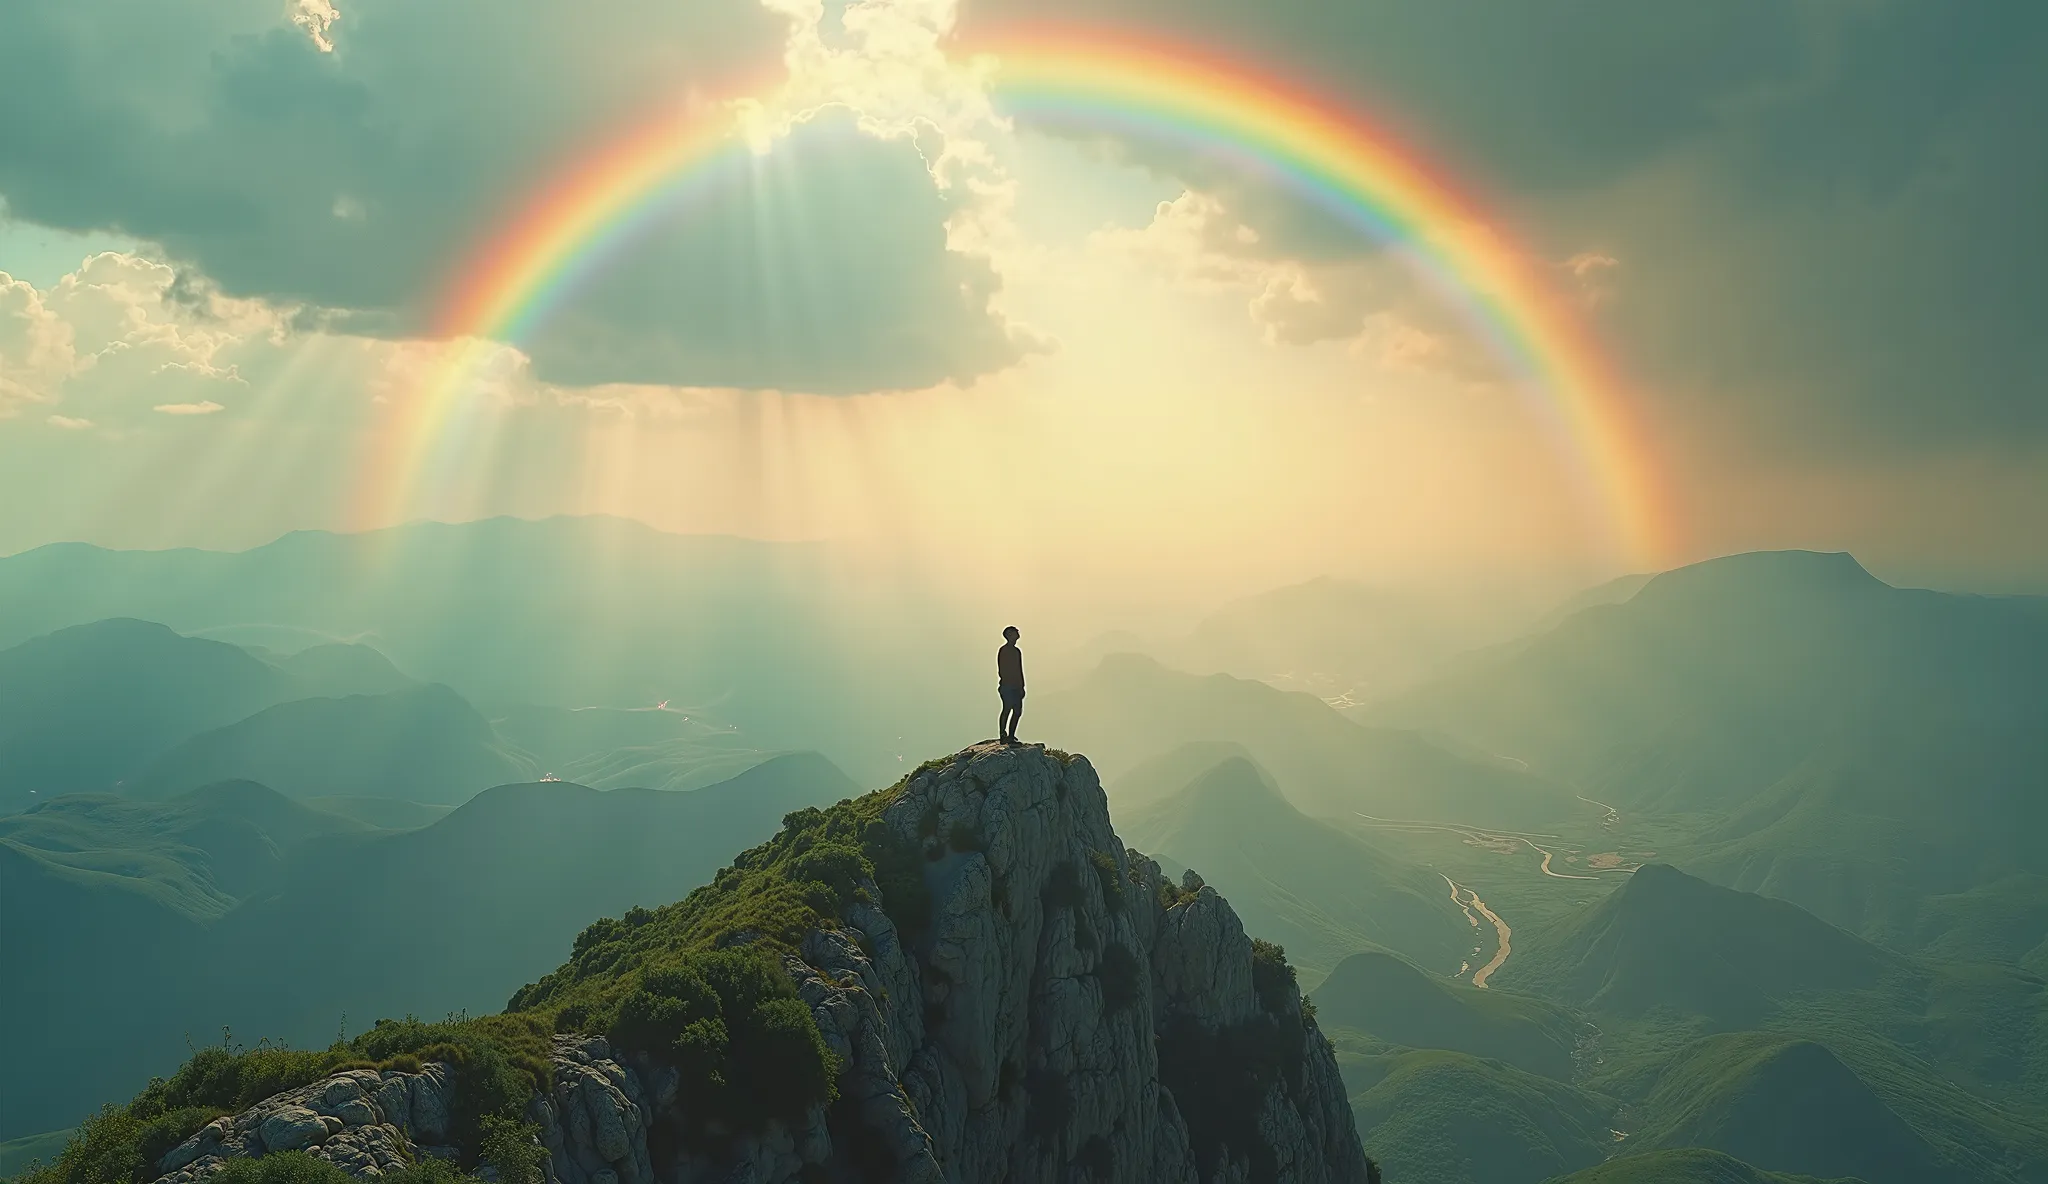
[1010, 685]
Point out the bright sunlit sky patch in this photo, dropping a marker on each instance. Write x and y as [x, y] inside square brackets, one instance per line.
[1077, 359]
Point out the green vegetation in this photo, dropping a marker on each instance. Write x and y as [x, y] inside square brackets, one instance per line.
[1690, 1166]
[1392, 999]
[16, 1155]
[1666, 941]
[1786, 1104]
[487, 898]
[698, 984]
[730, 1021]
[1434, 1117]
[498, 1063]
[1853, 1052]
[1109, 877]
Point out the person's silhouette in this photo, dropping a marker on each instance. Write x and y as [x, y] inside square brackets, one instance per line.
[1010, 685]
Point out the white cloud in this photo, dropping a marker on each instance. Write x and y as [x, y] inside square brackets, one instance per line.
[124, 333]
[35, 347]
[316, 17]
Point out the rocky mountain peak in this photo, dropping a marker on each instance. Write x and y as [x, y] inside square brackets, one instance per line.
[1059, 1013]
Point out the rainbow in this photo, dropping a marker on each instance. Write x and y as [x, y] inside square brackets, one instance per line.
[529, 267]
[1330, 155]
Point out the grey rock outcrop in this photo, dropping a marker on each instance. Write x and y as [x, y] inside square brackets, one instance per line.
[364, 1121]
[1034, 1031]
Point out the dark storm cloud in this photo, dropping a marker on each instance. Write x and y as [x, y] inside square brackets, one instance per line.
[355, 180]
[1829, 212]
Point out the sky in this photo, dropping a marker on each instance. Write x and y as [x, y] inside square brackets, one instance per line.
[893, 308]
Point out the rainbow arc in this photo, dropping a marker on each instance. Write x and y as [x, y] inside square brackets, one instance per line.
[1328, 154]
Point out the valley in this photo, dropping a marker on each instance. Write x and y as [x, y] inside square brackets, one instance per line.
[1623, 952]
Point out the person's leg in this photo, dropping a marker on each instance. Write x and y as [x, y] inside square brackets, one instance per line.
[1003, 723]
[1016, 716]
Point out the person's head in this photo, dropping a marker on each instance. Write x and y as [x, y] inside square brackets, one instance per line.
[1011, 635]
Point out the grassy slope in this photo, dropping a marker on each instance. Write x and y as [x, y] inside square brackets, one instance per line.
[1691, 1166]
[1434, 1117]
[1396, 1001]
[1957, 1052]
[449, 917]
[1786, 1104]
[1668, 941]
[1315, 890]
[17, 1154]
[199, 853]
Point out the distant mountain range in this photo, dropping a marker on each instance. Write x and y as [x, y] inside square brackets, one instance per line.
[234, 906]
[784, 641]
[1856, 748]
[1131, 710]
[1747, 1025]
[1316, 890]
[1829, 967]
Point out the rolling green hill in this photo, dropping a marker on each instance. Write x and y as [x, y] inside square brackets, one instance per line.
[1691, 1166]
[453, 916]
[423, 744]
[199, 853]
[86, 707]
[1132, 709]
[1392, 999]
[1665, 941]
[1787, 1104]
[1957, 1052]
[1319, 892]
[1447, 1118]
[18, 1154]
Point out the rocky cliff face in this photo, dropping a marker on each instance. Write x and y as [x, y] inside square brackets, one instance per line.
[1066, 1016]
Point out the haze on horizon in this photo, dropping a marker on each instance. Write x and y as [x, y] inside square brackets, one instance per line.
[1069, 363]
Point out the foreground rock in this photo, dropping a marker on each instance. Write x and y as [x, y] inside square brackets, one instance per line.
[1066, 1016]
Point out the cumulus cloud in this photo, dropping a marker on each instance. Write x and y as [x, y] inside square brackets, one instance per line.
[209, 407]
[70, 423]
[345, 161]
[316, 17]
[124, 333]
[1371, 303]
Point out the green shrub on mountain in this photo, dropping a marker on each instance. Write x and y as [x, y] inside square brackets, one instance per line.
[697, 984]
